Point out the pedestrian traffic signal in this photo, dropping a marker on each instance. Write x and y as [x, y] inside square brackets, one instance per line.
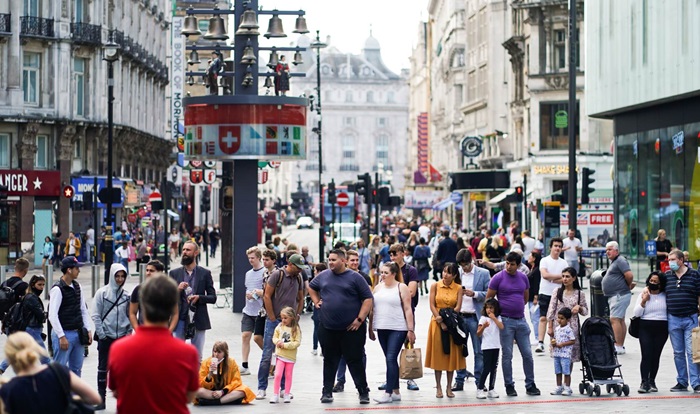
[519, 196]
[206, 200]
[587, 188]
[226, 197]
[364, 185]
[331, 192]
[384, 196]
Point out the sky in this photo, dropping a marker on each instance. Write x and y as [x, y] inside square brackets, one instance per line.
[394, 23]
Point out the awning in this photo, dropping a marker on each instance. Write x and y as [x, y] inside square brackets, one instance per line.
[507, 196]
[441, 205]
[174, 215]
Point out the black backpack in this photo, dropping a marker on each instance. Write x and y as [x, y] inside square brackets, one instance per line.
[8, 296]
[14, 319]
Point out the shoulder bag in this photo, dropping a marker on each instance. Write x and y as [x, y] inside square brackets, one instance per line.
[410, 359]
[95, 337]
[73, 406]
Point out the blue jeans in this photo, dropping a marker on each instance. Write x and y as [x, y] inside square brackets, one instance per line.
[516, 329]
[534, 318]
[471, 323]
[125, 263]
[36, 334]
[268, 350]
[391, 342]
[680, 330]
[73, 356]
[197, 341]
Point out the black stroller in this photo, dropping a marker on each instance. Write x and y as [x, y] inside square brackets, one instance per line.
[599, 359]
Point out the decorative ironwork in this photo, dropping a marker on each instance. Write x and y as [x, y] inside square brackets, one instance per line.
[5, 23]
[86, 34]
[37, 27]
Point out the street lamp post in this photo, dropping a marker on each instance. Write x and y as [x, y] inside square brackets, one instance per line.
[317, 45]
[111, 55]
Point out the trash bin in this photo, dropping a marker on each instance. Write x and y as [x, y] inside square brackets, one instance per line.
[599, 303]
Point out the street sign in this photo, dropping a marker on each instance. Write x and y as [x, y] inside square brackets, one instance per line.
[342, 199]
[275, 164]
[68, 191]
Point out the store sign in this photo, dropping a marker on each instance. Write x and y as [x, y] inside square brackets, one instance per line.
[678, 142]
[421, 199]
[177, 80]
[559, 169]
[83, 184]
[31, 183]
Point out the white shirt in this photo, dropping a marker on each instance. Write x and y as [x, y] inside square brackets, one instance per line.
[654, 310]
[468, 283]
[56, 298]
[571, 254]
[554, 267]
[424, 232]
[491, 335]
[71, 247]
[122, 253]
[90, 234]
[528, 246]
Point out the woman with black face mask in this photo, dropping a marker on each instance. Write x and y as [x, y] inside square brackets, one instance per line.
[33, 309]
[653, 329]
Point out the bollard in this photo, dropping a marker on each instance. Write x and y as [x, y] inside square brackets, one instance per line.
[95, 279]
[49, 280]
[142, 272]
[3, 276]
[599, 303]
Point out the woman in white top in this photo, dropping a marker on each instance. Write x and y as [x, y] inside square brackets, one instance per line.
[653, 329]
[392, 317]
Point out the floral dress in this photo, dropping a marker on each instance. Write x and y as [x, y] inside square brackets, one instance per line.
[569, 301]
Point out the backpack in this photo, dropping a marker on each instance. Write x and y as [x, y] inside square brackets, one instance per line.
[282, 275]
[14, 320]
[8, 297]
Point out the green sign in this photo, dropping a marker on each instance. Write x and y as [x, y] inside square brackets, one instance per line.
[561, 119]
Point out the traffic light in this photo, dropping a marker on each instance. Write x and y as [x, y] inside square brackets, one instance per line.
[364, 185]
[384, 196]
[331, 192]
[586, 188]
[206, 200]
[519, 196]
[565, 194]
[226, 197]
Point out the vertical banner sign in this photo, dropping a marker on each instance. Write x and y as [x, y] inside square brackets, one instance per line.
[177, 78]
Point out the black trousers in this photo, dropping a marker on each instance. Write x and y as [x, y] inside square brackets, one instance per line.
[490, 368]
[652, 338]
[349, 345]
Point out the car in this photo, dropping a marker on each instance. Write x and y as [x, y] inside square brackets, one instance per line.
[305, 222]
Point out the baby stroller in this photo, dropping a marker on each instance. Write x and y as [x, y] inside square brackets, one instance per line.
[599, 359]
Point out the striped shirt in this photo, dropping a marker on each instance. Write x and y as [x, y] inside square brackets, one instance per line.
[654, 310]
[682, 293]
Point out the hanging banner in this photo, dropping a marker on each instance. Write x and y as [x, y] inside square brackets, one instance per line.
[177, 78]
[245, 131]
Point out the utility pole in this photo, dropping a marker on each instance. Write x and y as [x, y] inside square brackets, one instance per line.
[572, 115]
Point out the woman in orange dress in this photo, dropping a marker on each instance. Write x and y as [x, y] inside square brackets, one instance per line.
[446, 293]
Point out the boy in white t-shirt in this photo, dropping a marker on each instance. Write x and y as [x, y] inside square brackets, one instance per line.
[490, 325]
[562, 346]
[551, 268]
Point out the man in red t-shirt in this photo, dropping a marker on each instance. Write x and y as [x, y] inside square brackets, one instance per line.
[150, 371]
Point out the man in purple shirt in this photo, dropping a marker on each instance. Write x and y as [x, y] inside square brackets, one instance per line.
[512, 289]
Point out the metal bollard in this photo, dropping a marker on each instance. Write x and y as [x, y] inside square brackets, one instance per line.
[95, 279]
[142, 272]
[49, 280]
[3, 276]
[599, 304]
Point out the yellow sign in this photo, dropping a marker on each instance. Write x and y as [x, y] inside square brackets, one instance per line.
[551, 204]
[552, 169]
[477, 197]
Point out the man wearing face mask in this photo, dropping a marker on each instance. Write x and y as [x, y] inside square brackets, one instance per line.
[617, 287]
[196, 289]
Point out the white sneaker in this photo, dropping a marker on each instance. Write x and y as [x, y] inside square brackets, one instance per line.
[493, 394]
[557, 391]
[275, 399]
[540, 348]
[245, 371]
[288, 398]
[567, 391]
[314, 352]
[395, 397]
[291, 396]
[481, 394]
[385, 398]
[260, 395]
[620, 350]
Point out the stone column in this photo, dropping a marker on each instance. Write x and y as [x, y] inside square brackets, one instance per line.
[64, 149]
[14, 69]
[26, 150]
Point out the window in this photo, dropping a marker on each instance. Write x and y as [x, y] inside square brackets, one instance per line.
[31, 8]
[370, 97]
[79, 73]
[458, 59]
[30, 77]
[348, 96]
[79, 11]
[381, 122]
[483, 91]
[552, 135]
[559, 52]
[4, 150]
[348, 147]
[382, 150]
[459, 90]
[390, 97]
[471, 87]
[349, 121]
[41, 160]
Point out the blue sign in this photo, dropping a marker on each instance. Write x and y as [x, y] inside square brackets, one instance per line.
[650, 248]
[83, 184]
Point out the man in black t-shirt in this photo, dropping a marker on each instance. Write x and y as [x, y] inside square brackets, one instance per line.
[135, 317]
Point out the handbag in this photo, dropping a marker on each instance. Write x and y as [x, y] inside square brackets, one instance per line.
[634, 326]
[74, 406]
[696, 345]
[84, 336]
[410, 363]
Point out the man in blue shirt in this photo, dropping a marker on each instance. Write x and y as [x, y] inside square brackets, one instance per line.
[363, 253]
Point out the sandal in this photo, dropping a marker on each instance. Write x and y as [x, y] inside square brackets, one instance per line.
[438, 394]
[449, 393]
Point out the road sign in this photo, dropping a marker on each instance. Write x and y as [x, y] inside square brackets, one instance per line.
[68, 191]
[342, 199]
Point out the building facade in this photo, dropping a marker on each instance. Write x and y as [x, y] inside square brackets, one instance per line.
[654, 102]
[53, 101]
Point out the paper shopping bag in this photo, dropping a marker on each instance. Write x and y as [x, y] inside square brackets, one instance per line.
[696, 345]
[410, 364]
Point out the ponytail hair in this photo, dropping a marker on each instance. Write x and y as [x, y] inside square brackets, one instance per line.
[22, 351]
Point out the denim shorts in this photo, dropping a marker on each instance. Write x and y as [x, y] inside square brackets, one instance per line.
[618, 305]
[562, 365]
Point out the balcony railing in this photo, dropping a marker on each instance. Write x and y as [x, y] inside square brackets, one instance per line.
[5, 26]
[37, 27]
[86, 34]
[349, 167]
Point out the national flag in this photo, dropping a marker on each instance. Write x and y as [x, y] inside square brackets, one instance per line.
[229, 139]
[434, 174]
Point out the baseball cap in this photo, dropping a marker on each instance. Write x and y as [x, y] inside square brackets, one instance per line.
[296, 260]
[70, 261]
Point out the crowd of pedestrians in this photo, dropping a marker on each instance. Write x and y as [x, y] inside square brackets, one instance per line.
[495, 290]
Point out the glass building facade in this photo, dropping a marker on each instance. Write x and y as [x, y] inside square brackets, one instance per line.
[657, 180]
